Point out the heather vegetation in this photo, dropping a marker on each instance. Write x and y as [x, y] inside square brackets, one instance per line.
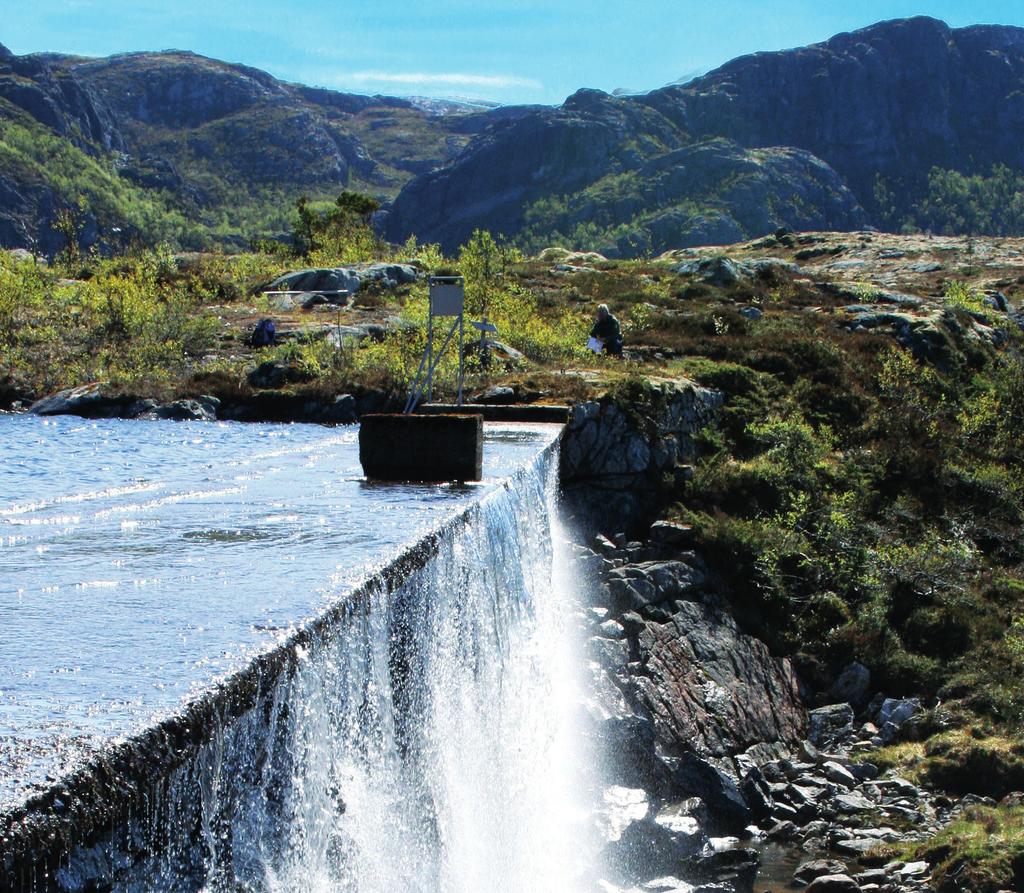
[151, 322]
[866, 505]
[982, 851]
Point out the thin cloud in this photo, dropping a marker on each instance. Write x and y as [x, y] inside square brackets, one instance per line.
[446, 79]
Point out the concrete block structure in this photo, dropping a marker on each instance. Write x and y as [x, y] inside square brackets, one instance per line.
[422, 447]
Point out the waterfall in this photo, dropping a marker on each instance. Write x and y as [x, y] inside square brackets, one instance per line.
[419, 739]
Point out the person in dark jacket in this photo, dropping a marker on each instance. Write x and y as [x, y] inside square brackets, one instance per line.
[608, 331]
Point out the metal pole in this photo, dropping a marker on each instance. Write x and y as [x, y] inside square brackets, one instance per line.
[417, 392]
[461, 345]
[430, 353]
[414, 392]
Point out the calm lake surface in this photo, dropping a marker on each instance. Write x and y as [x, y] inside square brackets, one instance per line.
[139, 561]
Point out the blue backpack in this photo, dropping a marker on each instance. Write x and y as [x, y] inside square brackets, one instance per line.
[264, 334]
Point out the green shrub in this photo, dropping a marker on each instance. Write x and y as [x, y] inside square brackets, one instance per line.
[961, 763]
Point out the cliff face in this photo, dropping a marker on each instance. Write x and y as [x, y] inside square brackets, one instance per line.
[894, 100]
[62, 103]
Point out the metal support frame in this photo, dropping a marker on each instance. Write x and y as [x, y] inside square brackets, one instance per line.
[425, 382]
[446, 299]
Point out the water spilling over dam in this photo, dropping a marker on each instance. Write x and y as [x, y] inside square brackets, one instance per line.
[384, 701]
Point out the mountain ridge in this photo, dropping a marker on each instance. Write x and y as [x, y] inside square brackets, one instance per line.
[807, 138]
[893, 100]
[222, 148]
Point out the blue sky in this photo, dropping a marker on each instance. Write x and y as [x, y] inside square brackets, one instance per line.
[524, 51]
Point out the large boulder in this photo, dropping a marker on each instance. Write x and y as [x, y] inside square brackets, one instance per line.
[274, 374]
[712, 688]
[853, 686]
[640, 587]
[727, 811]
[897, 710]
[812, 869]
[88, 401]
[722, 870]
[757, 794]
[831, 724]
[348, 279]
[648, 849]
[893, 715]
[15, 392]
[342, 410]
[631, 759]
[388, 275]
[317, 281]
[834, 883]
[613, 461]
[720, 271]
[201, 410]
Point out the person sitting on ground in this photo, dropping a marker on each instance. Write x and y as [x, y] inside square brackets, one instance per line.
[608, 331]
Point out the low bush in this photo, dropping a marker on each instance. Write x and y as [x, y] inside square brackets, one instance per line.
[970, 762]
[982, 851]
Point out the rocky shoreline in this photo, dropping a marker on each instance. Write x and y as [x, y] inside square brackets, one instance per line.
[713, 755]
[91, 401]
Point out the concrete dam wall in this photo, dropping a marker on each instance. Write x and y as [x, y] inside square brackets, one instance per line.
[393, 743]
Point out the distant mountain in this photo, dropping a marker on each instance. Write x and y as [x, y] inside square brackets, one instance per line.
[214, 151]
[619, 176]
[699, 162]
[838, 135]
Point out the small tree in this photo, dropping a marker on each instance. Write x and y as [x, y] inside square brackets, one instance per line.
[485, 261]
[304, 233]
[354, 206]
[348, 219]
[70, 224]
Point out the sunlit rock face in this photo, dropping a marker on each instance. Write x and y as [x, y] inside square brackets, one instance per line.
[794, 138]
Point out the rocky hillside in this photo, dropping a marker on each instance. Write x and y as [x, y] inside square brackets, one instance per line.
[892, 101]
[214, 151]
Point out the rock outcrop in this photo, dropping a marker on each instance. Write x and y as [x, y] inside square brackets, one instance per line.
[894, 99]
[92, 402]
[350, 279]
[613, 460]
[64, 104]
[711, 687]
[706, 687]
